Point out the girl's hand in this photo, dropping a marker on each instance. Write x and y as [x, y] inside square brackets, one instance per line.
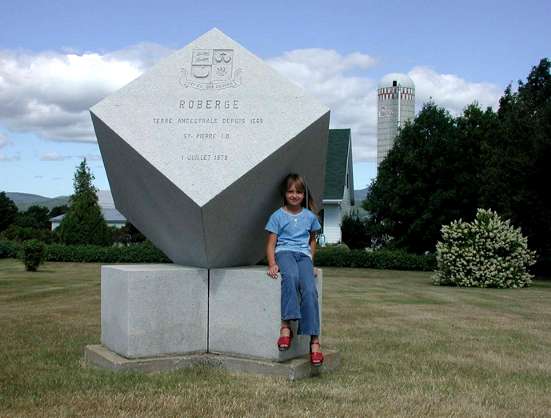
[315, 272]
[273, 270]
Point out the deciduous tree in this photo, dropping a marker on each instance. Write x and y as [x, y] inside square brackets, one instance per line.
[517, 158]
[35, 217]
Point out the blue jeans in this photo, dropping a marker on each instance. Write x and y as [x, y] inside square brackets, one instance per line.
[298, 283]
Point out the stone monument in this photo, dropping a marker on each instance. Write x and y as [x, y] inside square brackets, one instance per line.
[195, 150]
[196, 147]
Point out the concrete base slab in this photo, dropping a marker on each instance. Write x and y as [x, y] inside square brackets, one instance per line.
[298, 368]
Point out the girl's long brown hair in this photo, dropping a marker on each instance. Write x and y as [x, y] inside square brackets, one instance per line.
[299, 182]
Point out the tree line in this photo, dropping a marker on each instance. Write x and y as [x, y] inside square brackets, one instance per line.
[442, 168]
[83, 222]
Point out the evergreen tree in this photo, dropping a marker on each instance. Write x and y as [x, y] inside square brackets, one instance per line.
[8, 211]
[354, 232]
[84, 223]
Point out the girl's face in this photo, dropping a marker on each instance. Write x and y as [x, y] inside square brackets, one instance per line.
[293, 196]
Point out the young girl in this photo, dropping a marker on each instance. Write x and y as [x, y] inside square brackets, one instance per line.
[290, 251]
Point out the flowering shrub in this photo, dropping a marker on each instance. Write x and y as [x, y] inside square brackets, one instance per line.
[487, 252]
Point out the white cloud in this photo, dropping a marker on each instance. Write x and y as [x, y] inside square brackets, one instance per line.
[4, 141]
[89, 157]
[49, 93]
[353, 98]
[451, 91]
[9, 158]
[53, 156]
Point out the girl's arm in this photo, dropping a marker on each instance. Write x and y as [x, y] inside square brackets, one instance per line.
[313, 249]
[273, 268]
[313, 244]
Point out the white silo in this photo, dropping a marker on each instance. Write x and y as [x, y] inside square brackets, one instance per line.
[395, 106]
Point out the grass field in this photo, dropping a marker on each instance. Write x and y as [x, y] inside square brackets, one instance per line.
[407, 349]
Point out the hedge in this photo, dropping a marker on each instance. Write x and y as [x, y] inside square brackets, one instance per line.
[136, 253]
[337, 256]
[377, 259]
[9, 249]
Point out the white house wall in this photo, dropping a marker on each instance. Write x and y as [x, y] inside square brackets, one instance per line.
[332, 218]
[345, 204]
[332, 223]
[334, 212]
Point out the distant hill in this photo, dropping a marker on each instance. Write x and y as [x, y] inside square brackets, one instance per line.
[24, 200]
[359, 196]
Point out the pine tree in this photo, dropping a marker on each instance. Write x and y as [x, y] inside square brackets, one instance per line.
[84, 223]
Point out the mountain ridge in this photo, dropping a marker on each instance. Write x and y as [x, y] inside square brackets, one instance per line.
[25, 200]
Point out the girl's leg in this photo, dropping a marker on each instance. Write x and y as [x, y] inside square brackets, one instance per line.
[309, 307]
[315, 346]
[290, 309]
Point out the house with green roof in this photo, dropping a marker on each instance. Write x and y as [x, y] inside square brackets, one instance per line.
[338, 195]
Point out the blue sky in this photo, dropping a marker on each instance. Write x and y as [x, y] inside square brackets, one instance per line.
[57, 58]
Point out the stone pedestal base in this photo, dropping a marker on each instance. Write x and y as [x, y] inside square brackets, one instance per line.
[154, 309]
[245, 314]
[298, 368]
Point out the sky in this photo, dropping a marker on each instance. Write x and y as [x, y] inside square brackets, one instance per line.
[58, 58]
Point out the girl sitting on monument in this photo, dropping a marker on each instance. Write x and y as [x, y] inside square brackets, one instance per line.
[290, 250]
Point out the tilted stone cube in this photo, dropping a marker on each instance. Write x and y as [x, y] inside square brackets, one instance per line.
[196, 148]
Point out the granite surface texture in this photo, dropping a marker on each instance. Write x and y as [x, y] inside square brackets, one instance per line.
[244, 314]
[154, 309]
[196, 147]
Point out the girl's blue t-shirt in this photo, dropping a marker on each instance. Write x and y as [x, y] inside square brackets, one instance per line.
[293, 230]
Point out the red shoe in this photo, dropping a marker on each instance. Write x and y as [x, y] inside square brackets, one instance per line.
[284, 342]
[316, 358]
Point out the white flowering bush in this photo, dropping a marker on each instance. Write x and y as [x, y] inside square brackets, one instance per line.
[487, 252]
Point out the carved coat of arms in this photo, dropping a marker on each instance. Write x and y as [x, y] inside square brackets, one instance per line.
[211, 69]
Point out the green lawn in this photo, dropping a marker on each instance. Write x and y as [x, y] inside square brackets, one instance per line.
[407, 349]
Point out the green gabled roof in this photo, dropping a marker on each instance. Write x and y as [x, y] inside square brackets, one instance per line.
[335, 168]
